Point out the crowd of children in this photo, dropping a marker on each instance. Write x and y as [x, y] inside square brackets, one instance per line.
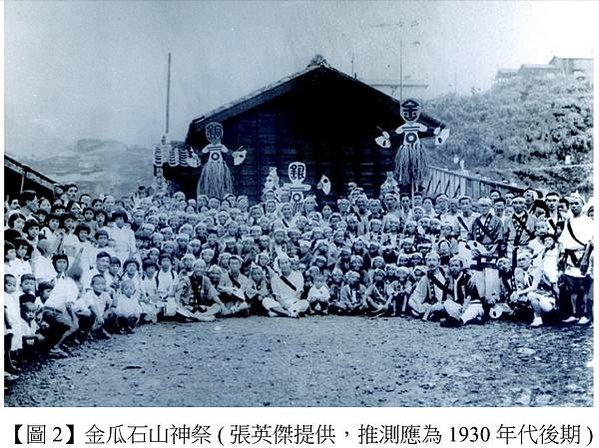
[78, 267]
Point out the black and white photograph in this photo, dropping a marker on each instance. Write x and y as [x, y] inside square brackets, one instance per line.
[298, 204]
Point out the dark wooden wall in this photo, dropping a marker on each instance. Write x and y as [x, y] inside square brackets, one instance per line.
[327, 122]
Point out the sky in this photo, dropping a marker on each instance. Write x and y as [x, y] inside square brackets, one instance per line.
[78, 70]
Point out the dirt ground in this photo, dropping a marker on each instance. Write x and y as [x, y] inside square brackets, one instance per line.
[319, 361]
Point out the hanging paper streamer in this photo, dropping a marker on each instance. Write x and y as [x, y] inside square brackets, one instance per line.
[272, 182]
[441, 135]
[194, 160]
[384, 141]
[239, 156]
[215, 180]
[324, 184]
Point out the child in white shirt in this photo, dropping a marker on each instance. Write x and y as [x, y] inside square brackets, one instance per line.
[128, 310]
[319, 295]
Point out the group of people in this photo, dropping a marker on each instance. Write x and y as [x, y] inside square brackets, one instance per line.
[79, 267]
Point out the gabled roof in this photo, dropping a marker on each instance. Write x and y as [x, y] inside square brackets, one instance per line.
[317, 67]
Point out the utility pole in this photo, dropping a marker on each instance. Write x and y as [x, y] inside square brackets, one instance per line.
[400, 69]
[168, 92]
[399, 25]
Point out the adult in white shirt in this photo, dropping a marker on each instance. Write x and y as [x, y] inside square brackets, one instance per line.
[102, 265]
[287, 289]
[122, 235]
[58, 311]
[43, 269]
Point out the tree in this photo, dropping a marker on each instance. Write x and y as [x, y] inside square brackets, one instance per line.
[519, 128]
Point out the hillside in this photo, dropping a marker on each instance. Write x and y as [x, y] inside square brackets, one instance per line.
[522, 132]
[99, 166]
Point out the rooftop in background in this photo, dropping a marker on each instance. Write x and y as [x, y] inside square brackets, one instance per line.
[557, 66]
[411, 88]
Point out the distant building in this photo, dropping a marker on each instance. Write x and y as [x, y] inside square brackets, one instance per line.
[538, 70]
[410, 88]
[582, 68]
[505, 75]
[579, 67]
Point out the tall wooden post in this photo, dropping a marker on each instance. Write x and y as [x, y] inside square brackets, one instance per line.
[168, 92]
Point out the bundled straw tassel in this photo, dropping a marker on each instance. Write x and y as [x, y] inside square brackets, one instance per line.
[215, 180]
[410, 164]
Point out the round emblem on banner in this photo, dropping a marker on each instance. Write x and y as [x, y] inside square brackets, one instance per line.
[411, 138]
[214, 156]
[297, 197]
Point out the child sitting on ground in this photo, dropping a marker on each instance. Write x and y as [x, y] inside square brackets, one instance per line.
[400, 291]
[334, 284]
[128, 309]
[351, 298]
[318, 295]
[30, 328]
[258, 290]
[376, 297]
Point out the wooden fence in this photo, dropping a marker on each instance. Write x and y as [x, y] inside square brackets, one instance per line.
[456, 183]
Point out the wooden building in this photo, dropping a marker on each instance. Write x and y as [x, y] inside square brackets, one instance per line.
[320, 116]
[19, 177]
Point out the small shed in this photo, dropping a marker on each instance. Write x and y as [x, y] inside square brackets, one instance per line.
[319, 116]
